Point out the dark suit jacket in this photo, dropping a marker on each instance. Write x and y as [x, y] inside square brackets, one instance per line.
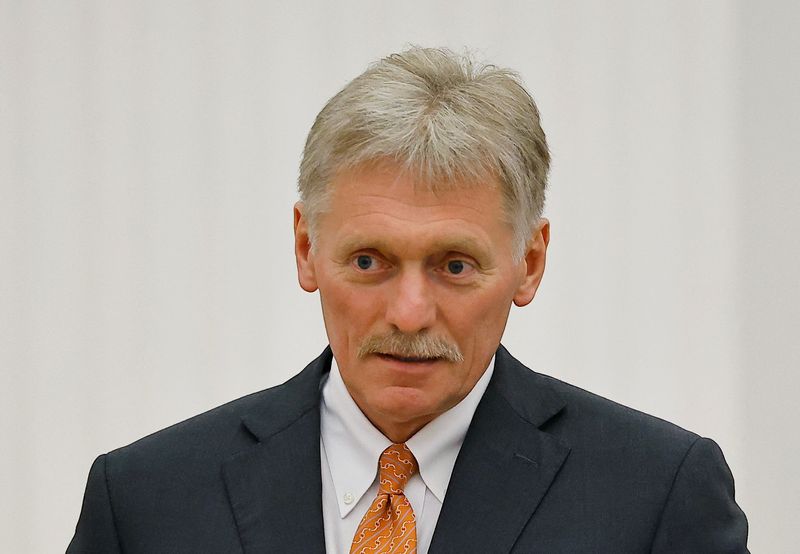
[545, 467]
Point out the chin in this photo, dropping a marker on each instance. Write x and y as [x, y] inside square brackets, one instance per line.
[403, 403]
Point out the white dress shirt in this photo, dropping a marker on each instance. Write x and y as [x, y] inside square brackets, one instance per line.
[350, 447]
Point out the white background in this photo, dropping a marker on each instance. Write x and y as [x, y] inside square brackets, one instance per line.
[148, 159]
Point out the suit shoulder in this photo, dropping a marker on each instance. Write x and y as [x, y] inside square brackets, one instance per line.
[214, 434]
[595, 418]
[568, 410]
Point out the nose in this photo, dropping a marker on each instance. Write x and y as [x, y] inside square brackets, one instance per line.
[412, 304]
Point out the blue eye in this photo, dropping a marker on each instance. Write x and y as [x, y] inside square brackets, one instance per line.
[364, 262]
[455, 267]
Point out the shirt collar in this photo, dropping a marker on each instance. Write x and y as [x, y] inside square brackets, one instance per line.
[353, 445]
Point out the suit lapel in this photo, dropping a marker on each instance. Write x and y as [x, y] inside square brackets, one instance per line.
[505, 466]
[274, 487]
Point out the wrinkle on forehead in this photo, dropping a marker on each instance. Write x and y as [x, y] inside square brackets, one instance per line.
[417, 210]
[370, 194]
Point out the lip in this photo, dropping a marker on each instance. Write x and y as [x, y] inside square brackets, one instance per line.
[407, 365]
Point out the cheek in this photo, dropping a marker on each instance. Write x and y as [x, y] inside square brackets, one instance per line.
[476, 322]
[349, 311]
[478, 311]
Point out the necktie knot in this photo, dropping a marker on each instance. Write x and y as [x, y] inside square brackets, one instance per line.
[397, 464]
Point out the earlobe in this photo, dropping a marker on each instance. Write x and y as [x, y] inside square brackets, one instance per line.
[533, 264]
[306, 274]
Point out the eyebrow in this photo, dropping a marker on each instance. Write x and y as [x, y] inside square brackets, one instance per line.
[467, 245]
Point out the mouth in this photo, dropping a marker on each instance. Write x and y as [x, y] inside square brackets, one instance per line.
[407, 359]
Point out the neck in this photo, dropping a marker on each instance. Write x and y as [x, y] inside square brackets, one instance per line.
[399, 433]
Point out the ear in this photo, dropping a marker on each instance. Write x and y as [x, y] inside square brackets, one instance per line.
[303, 255]
[533, 264]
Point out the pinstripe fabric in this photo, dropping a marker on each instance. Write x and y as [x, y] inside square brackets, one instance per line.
[389, 526]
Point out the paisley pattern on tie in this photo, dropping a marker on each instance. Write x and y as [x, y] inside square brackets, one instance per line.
[389, 526]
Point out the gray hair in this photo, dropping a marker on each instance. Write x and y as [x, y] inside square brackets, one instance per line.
[443, 118]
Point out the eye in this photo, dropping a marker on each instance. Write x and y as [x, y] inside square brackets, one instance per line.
[368, 263]
[365, 262]
[455, 266]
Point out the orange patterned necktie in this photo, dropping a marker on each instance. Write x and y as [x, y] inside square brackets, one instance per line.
[389, 526]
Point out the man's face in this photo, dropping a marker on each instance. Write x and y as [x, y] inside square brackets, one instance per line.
[395, 260]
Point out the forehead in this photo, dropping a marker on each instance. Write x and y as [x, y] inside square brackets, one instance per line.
[388, 181]
[379, 203]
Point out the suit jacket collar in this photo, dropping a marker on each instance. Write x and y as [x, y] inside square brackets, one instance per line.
[275, 487]
[529, 394]
[504, 469]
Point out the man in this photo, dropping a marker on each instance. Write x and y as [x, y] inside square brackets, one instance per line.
[422, 186]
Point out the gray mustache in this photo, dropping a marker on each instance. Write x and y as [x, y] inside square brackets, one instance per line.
[419, 345]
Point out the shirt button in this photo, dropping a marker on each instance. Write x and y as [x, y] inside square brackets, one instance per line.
[348, 498]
